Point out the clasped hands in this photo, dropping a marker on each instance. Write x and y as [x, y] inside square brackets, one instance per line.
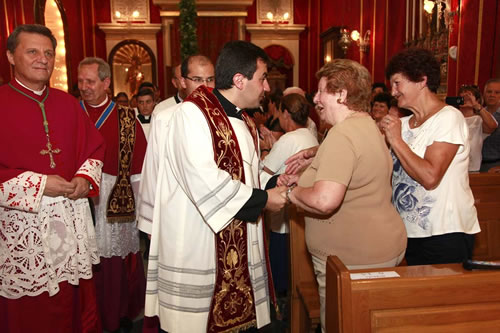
[56, 186]
[297, 163]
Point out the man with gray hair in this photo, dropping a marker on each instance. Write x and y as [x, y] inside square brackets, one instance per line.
[51, 161]
[120, 277]
[491, 145]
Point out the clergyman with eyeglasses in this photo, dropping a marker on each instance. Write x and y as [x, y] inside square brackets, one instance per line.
[195, 70]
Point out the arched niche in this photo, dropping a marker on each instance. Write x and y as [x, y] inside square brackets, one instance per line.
[280, 69]
[40, 6]
[132, 62]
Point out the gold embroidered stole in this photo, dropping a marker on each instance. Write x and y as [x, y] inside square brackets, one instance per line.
[233, 305]
[255, 135]
[121, 202]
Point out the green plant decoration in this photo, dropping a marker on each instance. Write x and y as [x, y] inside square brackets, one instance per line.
[187, 18]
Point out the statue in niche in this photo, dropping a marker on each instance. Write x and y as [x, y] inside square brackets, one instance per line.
[134, 75]
[131, 65]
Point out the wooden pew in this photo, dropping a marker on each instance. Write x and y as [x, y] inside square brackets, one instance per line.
[486, 190]
[431, 298]
[304, 301]
[304, 295]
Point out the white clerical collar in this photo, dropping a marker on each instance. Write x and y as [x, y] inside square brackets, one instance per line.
[36, 92]
[101, 104]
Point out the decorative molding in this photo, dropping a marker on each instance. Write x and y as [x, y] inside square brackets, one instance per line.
[117, 32]
[166, 13]
[207, 5]
[130, 31]
[286, 35]
[275, 31]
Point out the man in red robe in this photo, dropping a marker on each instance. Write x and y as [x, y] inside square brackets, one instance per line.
[50, 161]
[120, 277]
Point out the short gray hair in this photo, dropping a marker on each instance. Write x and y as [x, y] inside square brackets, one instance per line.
[103, 69]
[495, 80]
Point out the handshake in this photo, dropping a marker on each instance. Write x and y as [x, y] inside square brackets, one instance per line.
[280, 195]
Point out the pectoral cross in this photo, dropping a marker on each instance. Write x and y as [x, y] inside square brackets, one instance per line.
[50, 151]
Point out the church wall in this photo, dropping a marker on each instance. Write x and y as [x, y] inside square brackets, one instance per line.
[476, 33]
[84, 39]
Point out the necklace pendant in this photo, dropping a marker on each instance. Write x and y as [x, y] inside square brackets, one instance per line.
[49, 151]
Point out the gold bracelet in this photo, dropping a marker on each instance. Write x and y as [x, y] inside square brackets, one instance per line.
[288, 191]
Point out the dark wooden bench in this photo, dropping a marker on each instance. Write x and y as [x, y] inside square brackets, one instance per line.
[304, 288]
[486, 190]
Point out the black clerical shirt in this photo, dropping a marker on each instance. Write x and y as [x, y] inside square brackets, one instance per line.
[252, 209]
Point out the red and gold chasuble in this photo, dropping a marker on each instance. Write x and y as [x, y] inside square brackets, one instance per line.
[233, 305]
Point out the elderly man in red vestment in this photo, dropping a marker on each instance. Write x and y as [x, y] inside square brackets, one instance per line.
[120, 277]
[51, 161]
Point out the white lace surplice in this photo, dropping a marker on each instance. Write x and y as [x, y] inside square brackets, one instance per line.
[44, 241]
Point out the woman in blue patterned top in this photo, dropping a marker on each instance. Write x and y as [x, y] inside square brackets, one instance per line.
[430, 150]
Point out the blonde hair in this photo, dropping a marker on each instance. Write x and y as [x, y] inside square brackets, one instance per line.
[345, 74]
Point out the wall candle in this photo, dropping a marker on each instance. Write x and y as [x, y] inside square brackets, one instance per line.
[420, 6]
[413, 20]
[407, 18]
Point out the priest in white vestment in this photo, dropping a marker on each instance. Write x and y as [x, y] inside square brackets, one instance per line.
[196, 200]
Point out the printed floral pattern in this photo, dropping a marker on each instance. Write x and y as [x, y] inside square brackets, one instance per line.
[411, 200]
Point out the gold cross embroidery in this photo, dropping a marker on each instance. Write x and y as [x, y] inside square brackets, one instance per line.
[50, 151]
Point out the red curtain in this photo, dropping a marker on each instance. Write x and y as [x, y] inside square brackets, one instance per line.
[212, 32]
[282, 59]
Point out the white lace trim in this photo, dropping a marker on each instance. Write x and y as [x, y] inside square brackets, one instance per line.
[114, 239]
[92, 169]
[23, 192]
[38, 251]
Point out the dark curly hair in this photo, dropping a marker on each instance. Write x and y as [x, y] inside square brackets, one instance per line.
[414, 64]
[473, 89]
[383, 98]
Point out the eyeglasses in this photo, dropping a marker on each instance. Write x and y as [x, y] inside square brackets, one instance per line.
[200, 80]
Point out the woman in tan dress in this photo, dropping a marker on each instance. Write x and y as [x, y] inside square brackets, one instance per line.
[346, 190]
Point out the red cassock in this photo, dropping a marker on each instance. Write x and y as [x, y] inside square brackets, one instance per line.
[38, 293]
[120, 279]
[23, 137]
